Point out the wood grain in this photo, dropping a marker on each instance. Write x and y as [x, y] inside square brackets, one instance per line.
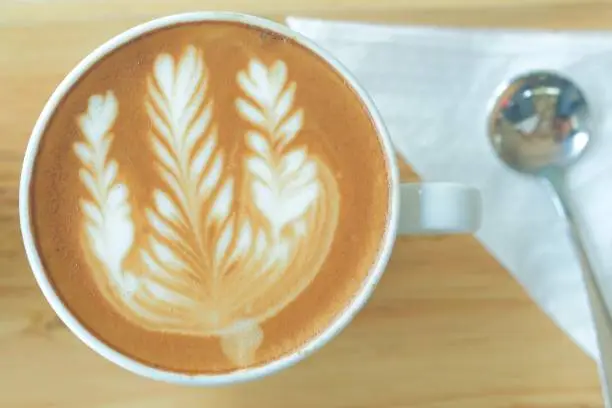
[447, 327]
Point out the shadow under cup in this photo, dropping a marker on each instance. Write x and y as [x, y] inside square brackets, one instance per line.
[193, 209]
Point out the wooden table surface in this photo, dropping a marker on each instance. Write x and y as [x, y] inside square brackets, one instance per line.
[447, 326]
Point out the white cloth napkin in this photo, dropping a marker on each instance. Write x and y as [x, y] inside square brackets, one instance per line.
[433, 88]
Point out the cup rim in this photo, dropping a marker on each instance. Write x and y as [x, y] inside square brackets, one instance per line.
[240, 375]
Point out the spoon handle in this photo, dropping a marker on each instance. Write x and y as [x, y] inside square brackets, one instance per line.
[599, 310]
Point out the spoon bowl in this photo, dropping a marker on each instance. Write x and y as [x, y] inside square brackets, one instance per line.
[540, 120]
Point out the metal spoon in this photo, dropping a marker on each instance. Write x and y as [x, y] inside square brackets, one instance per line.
[540, 125]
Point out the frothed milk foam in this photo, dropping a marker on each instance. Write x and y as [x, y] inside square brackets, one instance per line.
[209, 197]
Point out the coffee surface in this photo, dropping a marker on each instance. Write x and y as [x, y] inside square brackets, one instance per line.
[209, 196]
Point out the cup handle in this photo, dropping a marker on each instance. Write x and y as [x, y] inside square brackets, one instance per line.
[438, 208]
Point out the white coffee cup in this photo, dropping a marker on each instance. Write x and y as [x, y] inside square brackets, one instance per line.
[425, 208]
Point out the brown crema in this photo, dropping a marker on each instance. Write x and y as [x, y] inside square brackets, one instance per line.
[331, 126]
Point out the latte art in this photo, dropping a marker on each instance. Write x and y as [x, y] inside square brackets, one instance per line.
[228, 248]
[207, 197]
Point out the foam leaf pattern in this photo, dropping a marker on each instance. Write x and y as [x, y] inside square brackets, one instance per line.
[228, 246]
[108, 225]
[295, 194]
[282, 194]
[191, 163]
